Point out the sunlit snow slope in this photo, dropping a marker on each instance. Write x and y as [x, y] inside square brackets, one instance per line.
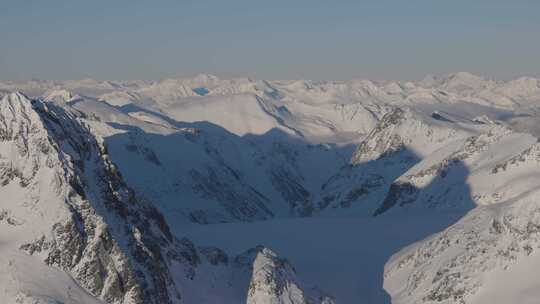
[377, 191]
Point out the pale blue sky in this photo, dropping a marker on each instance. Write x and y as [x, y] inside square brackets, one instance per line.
[272, 39]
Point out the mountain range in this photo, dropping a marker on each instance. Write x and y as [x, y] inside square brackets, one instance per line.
[208, 190]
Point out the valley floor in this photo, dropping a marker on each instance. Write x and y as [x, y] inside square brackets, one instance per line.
[344, 256]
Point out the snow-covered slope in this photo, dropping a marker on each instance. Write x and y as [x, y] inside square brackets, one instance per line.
[105, 178]
[498, 235]
[70, 210]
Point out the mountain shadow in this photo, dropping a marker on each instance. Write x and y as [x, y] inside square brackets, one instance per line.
[116, 245]
[358, 189]
[440, 204]
[222, 177]
[262, 177]
[330, 185]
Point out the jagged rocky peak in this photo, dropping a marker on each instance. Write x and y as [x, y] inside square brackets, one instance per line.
[464, 81]
[13, 105]
[21, 128]
[59, 95]
[421, 146]
[73, 211]
[413, 133]
[440, 175]
[82, 217]
[274, 281]
[25, 150]
[382, 140]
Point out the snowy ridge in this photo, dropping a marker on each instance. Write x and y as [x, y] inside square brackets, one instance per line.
[450, 266]
[88, 223]
[86, 195]
[274, 281]
[106, 177]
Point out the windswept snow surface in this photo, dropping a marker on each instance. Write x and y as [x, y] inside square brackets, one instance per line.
[375, 191]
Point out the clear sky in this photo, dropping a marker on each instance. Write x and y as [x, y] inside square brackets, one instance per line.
[271, 39]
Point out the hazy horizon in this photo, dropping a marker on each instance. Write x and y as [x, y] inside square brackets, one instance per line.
[318, 40]
[192, 76]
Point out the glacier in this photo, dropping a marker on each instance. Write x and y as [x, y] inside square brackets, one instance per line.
[209, 190]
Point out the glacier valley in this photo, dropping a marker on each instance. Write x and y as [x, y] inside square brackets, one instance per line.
[206, 190]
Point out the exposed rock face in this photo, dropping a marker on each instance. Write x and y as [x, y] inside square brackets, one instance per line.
[444, 176]
[214, 255]
[382, 140]
[402, 129]
[215, 183]
[77, 214]
[398, 142]
[293, 192]
[400, 193]
[274, 281]
[66, 163]
[379, 159]
[114, 245]
[529, 156]
[447, 267]
[451, 266]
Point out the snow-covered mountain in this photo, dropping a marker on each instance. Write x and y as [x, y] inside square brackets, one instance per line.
[67, 205]
[107, 179]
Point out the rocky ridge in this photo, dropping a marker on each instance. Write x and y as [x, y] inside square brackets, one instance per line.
[80, 215]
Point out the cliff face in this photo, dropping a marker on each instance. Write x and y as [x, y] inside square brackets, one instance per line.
[115, 245]
[98, 186]
[71, 208]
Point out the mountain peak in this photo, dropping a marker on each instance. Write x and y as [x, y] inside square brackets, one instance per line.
[465, 81]
[16, 96]
[205, 78]
[459, 80]
[429, 80]
[464, 75]
[59, 95]
[14, 105]
[274, 280]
